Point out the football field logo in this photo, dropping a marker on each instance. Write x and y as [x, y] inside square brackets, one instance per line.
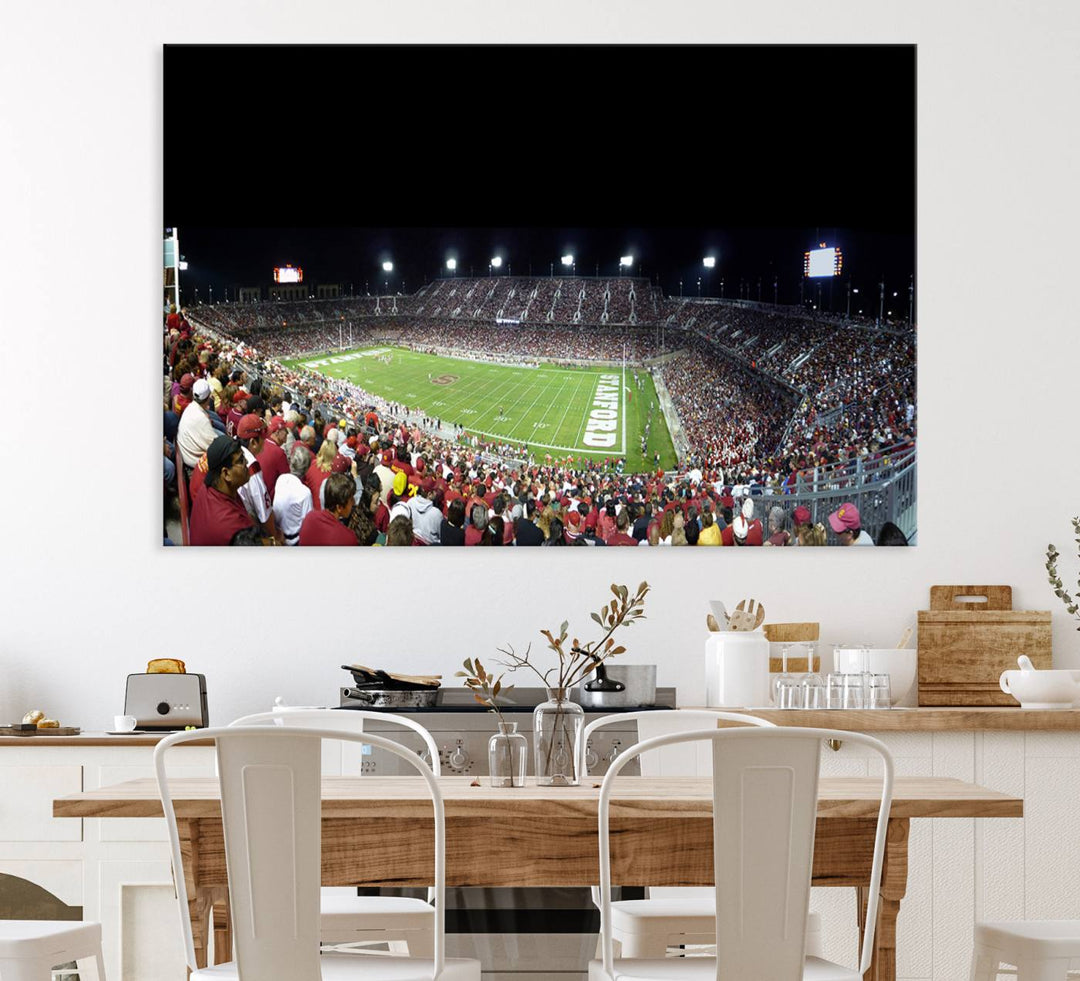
[444, 380]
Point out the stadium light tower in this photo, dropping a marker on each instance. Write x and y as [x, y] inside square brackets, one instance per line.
[625, 262]
[387, 268]
[568, 263]
[451, 264]
[709, 262]
[495, 263]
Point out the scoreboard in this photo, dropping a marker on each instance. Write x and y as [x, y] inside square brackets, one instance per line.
[822, 261]
[288, 274]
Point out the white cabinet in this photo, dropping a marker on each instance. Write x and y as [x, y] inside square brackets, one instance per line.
[117, 870]
[26, 802]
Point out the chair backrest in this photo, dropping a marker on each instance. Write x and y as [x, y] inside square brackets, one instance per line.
[271, 809]
[764, 789]
[347, 720]
[674, 763]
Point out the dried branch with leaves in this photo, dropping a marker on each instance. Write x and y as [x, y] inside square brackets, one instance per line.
[1071, 601]
[485, 687]
[580, 660]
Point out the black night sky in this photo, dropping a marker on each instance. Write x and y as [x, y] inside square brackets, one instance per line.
[749, 154]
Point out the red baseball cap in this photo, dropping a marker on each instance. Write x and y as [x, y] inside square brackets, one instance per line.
[276, 423]
[341, 464]
[250, 427]
[801, 515]
[845, 519]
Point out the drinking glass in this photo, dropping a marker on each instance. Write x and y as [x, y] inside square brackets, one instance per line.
[834, 690]
[813, 691]
[879, 695]
[853, 691]
[788, 693]
[785, 677]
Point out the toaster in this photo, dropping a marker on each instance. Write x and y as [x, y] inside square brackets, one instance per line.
[164, 702]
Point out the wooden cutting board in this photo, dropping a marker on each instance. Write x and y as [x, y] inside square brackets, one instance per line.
[964, 646]
[61, 731]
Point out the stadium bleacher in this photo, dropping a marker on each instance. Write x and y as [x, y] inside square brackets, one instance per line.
[777, 406]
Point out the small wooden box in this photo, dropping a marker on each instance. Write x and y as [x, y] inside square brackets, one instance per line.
[964, 646]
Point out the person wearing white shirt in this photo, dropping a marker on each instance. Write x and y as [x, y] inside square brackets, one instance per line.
[292, 498]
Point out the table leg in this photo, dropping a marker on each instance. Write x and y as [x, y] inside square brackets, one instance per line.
[893, 889]
[222, 920]
[208, 905]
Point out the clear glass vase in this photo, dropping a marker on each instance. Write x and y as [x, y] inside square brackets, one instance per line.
[508, 754]
[557, 725]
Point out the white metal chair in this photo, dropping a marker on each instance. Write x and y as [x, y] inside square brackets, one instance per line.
[30, 949]
[673, 916]
[765, 788]
[346, 917]
[1041, 950]
[271, 810]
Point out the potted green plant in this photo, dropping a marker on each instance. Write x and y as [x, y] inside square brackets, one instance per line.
[1071, 601]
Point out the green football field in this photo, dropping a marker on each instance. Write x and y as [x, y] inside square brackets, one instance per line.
[556, 411]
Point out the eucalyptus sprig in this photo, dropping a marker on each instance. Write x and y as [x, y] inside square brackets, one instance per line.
[485, 687]
[1072, 602]
[580, 660]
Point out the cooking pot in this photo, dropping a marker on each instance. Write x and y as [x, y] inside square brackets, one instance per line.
[619, 686]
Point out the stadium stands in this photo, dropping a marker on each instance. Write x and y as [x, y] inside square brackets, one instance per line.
[776, 406]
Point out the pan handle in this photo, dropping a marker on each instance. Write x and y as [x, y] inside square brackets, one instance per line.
[603, 683]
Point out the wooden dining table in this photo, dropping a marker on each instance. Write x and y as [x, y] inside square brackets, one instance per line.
[377, 832]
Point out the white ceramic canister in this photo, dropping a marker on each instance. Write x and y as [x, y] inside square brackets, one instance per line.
[737, 669]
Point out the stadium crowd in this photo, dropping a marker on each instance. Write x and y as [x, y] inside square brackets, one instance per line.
[290, 456]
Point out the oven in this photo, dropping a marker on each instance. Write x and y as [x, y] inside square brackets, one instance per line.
[522, 934]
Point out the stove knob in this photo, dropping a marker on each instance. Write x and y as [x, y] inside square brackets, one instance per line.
[591, 757]
[458, 758]
[426, 757]
[614, 752]
[163, 708]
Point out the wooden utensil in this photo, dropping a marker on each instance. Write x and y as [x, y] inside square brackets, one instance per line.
[710, 622]
[748, 617]
[904, 638]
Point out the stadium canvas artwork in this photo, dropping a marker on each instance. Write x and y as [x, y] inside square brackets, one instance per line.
[549, 384]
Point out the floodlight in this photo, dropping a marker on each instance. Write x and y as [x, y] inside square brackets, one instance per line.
[182, 265]
[567, 260]
[387, 267]
[496, 261]
[451, 264]
[626, 260]
[709, 262]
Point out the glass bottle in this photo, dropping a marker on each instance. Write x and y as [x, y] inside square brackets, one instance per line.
[508, 754]
[557, 725]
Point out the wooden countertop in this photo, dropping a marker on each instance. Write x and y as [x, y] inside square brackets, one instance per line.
[403, 798]
[93, 739]
[922, 719]
[999, 719]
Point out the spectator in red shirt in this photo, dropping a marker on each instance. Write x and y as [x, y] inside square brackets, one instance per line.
[320, 469]
[329, 526]
[217, 513]
[619, 536]
[271, 456]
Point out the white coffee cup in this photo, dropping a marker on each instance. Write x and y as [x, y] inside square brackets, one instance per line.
[124, 723]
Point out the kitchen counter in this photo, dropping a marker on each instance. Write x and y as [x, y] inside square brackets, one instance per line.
[923, 719]
[91, 739]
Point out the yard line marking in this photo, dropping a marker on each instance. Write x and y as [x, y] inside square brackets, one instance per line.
[569, 402]
[547, 409]
[524, 415]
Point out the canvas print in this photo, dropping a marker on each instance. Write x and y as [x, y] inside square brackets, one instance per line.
[703, 384]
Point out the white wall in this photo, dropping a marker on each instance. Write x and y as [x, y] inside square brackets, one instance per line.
[88, 593]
